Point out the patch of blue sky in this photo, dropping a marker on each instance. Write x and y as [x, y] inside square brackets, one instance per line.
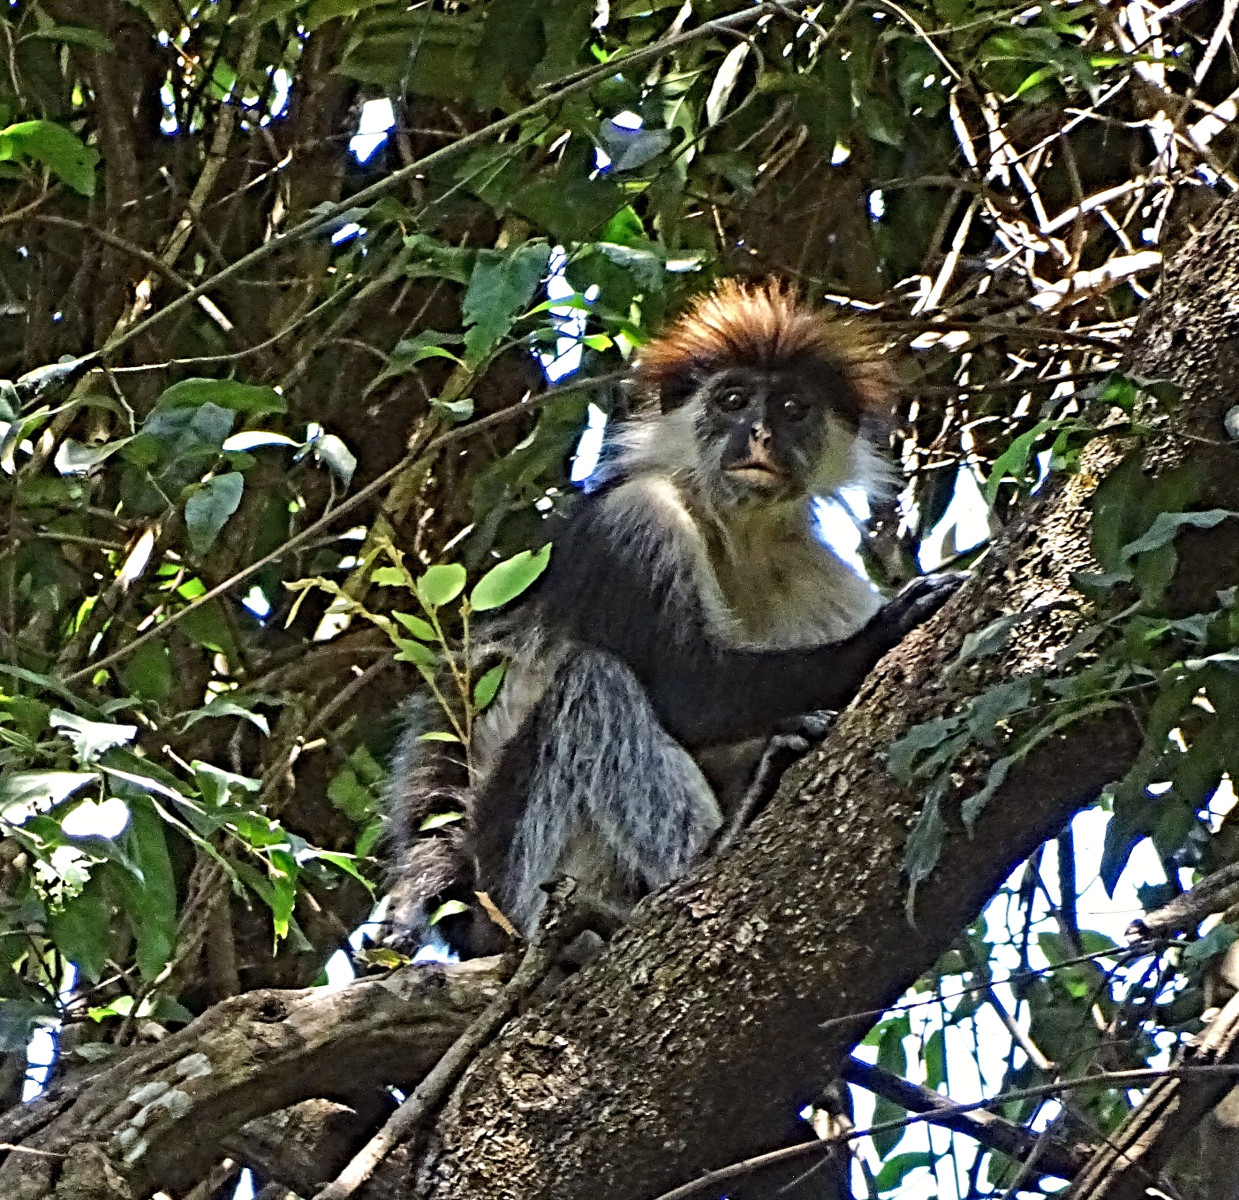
[570, 322]
[373, 126]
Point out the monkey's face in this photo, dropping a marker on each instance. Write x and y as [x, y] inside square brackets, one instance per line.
[769, 434]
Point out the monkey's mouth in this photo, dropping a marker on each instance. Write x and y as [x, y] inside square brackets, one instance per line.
[764, 477]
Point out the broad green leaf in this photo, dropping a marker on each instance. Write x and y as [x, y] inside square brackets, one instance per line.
[411, 351]
[438, 820]
[209, 507]
[348, 794]
[453, 410]
[82, 929]
[902, 756]
[972, 808]
[1013, 461]
[441, 584]
[629, 149]
[252, 398]
[60, 150]
[487, 686]
[1116, 513]
[150, 903]
[74, 458]
[1218, 940]
[896, 1168]
[1166, 527]
[500, 288]
[509, 579]
[390, 577]
[90, 738]
[219, 786]
[148, 672]
[416, 626]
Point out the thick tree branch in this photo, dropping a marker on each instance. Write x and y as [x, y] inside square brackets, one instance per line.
[166, 1111]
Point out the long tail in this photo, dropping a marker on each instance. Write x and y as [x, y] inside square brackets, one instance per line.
[430, 867]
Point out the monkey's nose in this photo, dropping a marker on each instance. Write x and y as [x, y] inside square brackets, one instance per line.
[760, 435]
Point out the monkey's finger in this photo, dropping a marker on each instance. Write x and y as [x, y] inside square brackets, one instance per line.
[921, 598]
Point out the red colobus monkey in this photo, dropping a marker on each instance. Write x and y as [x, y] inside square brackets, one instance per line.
[689, 607]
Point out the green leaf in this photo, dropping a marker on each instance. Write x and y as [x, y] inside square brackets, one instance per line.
[339, 459]
[1013, 461]
[924, 845]
[449, 908]
[509, 579]
[74, 458]
[500, 288]
[389, 577]
[438, 820]
[148, 673]
[441, 584]
[1116, 513]
[251, 398]
[902, 755]
[487, 686]
[1217, 941]
[1166, 527]
[975, 804]
[417, 653]
[74, 35]
[453, 410]
[438, 735]
[896, 1169]
[226, 706]
[629, 149]
[348, 794]
[150, 903]
[416, 626]
[82, 929]
[207, 510]
[90, 738]
[410, 351]
[60, 150]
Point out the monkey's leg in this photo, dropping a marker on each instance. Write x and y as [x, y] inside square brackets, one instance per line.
[609, 797]
[792, 741]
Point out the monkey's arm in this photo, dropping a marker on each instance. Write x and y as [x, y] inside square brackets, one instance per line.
[635, 597]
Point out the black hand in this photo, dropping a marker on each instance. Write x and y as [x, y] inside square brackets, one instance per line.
[918, 601]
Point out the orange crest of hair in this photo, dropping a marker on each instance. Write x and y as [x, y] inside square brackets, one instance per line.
[762, 323]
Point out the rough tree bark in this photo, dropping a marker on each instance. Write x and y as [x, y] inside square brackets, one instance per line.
[730, 1000]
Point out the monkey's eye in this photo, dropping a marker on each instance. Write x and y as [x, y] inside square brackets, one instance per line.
[795, 408]
[731, 399]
